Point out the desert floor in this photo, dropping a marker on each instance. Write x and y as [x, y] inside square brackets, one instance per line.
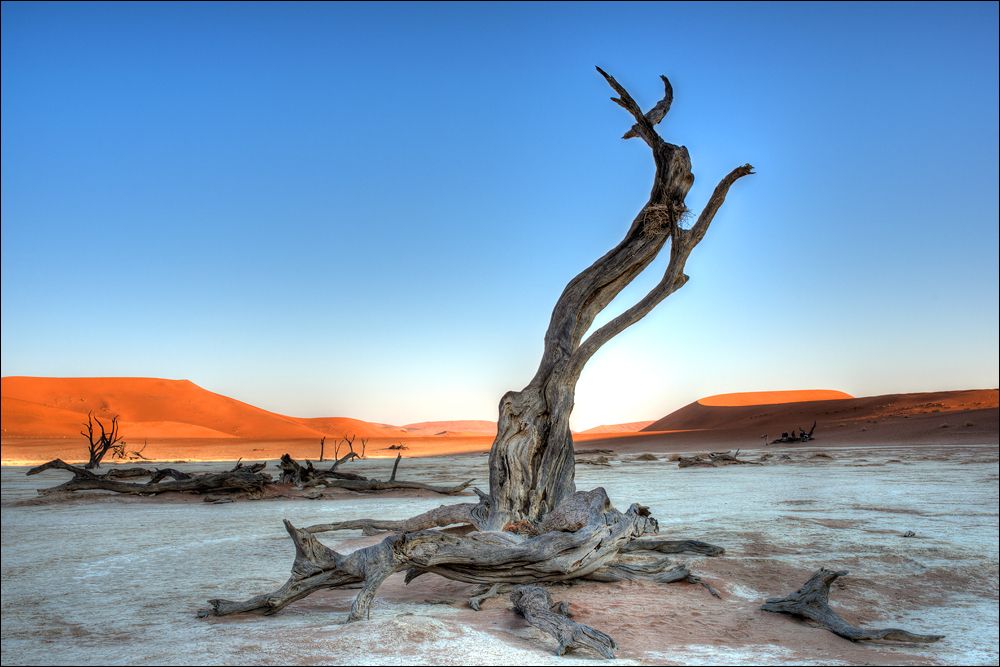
[95, 578]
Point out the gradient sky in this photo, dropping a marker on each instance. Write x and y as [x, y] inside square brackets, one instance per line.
[369, 210]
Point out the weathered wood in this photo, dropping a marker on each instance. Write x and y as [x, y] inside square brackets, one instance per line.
[688, 461]
[674, 547]
[167, 472]
[714, 460]
[812, 601]
[531, 461]
[445, 515]
[538, 609]
[84, 480]
[308, 476]
[479, 557]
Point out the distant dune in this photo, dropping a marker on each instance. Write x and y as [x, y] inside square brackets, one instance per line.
[773, 397]
[784, 415]
[464, 427]
[155, 408]
[630, 427]
[42, 418]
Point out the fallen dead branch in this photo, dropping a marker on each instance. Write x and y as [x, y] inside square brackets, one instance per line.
[249, 479]
[714, 459]
[308, 476]
[538, 609]
[812, 601]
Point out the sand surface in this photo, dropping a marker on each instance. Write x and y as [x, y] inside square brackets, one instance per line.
[94, 578]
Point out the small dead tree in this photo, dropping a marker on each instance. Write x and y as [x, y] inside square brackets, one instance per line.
[106, 442]
[322, 441]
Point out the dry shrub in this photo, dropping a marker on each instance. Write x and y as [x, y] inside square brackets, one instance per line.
[969, 424]
[944, 425]
[673, 457]
[646, 457]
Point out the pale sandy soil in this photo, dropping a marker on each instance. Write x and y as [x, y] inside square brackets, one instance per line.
[92, 578]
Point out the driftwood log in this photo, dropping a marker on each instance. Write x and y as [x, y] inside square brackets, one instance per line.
[812, 601]
[244, 479]
[538, 609]
[308, 476]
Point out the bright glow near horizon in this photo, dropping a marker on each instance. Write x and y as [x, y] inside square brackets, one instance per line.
[369, 210]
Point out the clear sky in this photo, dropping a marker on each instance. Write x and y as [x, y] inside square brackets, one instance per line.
[369, 210]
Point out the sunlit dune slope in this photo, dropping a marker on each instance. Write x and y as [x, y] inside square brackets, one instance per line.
[776, 417]
[773, 397]
[151, 407]
[341, 427]
[630, 427]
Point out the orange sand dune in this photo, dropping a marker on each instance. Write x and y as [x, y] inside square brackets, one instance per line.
[137, 401]
[630, 427]
[42, 418]
[345, 427]
[774, 418]
[773, 397]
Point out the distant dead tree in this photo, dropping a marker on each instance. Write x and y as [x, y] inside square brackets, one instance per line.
[350, 443]
[106, 442]
[137, 453]
[322, 442]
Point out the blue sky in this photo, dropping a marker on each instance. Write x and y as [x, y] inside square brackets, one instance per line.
[369, 210]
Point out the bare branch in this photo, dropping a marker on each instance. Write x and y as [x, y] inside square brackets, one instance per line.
[697, 232]
[645, 127]
[656, 114]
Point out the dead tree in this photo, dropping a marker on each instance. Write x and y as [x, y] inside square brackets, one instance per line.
[104, 443]
[531, 462]
[534, 526]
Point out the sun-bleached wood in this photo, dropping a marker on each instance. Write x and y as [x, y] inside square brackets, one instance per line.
[812, 601]
[568, 551]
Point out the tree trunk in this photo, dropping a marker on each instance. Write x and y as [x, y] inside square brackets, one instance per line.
[531, 462]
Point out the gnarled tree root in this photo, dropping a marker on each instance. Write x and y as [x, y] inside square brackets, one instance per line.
[538, 609]
[567, 551]
[812, 601]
